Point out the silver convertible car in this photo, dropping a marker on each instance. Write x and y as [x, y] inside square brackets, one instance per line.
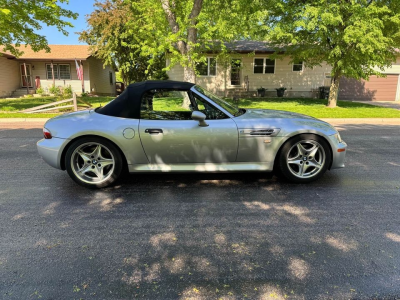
[170, 126]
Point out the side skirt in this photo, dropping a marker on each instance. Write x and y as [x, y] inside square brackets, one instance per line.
[207, 167]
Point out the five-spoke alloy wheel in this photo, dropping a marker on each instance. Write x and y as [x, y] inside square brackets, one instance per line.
[93, 162]
[304, 158]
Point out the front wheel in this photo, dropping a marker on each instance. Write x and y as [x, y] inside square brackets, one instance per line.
[93, 162]
[304, 158]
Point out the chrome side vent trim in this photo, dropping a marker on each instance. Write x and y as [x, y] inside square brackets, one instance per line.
[259, 132]
[264, 132]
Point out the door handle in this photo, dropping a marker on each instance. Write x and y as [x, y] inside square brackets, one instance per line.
[153, 131]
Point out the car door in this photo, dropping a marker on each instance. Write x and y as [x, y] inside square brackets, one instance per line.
[170, 136]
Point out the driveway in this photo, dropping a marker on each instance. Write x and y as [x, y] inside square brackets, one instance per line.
[202, 236]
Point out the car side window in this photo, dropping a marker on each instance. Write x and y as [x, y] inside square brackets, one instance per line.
[211, 112]
[163, 104]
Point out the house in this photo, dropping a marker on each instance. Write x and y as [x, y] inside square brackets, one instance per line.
[250, 68]
[18, 75]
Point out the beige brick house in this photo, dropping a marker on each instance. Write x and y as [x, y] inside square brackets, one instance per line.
[26, 71]
[251, 67]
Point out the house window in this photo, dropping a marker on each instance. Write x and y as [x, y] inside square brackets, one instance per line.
[264, 66]
[258, 65]
[64, 71]
[61, 71]
[269, 66]
[50, 73]
[208, 68]
[297, 66]
[111, 78]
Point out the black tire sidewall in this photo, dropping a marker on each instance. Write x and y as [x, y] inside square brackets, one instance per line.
[282, 164]
[118, 167]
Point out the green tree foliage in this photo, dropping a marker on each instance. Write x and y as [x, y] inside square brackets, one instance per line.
[186, 29]
[116, 42]
[358, 38]
[19, 19]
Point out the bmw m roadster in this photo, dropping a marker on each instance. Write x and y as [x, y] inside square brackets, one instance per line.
[170, 126]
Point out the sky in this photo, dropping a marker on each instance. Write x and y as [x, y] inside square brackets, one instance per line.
[82, 7]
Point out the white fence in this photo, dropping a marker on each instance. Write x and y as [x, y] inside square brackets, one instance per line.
[53, 106]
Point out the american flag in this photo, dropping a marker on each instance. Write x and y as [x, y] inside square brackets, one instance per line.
[79, 71]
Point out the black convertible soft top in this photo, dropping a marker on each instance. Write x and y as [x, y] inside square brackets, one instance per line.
[127, 105]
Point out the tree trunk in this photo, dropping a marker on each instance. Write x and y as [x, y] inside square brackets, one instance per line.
[185, 48]
[334, 92]
[189, 75]
[225, 79]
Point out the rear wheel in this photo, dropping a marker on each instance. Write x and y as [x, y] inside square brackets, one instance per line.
[93, 162]
[304, 158]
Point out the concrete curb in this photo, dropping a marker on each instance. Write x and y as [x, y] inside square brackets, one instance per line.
[366, 121]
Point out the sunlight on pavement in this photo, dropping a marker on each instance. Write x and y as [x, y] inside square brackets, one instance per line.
[257, 205]
[162, 239]
[342, 243]
[393, 236]
[299, 268]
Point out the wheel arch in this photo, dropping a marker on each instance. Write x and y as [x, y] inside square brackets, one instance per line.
[296, 135]
[64, 152]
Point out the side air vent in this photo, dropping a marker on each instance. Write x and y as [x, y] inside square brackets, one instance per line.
[259, 132]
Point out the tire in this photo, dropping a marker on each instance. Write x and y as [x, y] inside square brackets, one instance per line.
[93, 162]
[304, 158]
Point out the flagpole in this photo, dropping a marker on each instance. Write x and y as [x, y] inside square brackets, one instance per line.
[83, 82]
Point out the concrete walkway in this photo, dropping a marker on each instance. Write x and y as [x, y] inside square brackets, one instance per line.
[387, 104]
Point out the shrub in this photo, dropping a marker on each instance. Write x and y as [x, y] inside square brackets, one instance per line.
[67, 91]
[40, 91]
[54, 90]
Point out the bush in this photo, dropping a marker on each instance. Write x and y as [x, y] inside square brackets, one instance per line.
[84, 94]
[67, 91]
[40, 91]
[54, 90]
[160, 75]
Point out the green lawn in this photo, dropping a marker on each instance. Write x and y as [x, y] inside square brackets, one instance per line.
[317, 108]
[312, 107]
[9, 108]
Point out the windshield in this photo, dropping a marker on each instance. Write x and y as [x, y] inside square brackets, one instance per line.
[231, 109]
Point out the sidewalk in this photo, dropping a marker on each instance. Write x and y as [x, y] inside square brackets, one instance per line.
[387, 104]
[367, 121]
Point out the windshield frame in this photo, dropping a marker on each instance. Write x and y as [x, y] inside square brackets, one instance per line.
[216, 101]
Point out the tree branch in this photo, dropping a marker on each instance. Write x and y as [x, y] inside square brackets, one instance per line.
[192, 30]
[170, 16]
[173, 24]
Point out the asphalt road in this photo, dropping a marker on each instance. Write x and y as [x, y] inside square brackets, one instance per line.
[202, 236]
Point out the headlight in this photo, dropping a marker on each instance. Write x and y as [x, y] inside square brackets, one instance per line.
[338, 137]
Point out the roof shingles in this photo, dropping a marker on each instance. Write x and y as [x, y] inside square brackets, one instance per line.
[59, 52]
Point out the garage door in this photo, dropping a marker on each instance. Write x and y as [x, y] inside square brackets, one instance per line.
[375, 89]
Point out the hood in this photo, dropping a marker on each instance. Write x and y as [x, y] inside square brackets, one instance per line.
[287, 122]
[275, 114]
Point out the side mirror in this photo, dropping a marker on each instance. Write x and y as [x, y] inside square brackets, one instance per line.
[199, 116]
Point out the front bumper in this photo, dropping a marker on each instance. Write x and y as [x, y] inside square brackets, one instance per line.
[339, 150]
[51, 150]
